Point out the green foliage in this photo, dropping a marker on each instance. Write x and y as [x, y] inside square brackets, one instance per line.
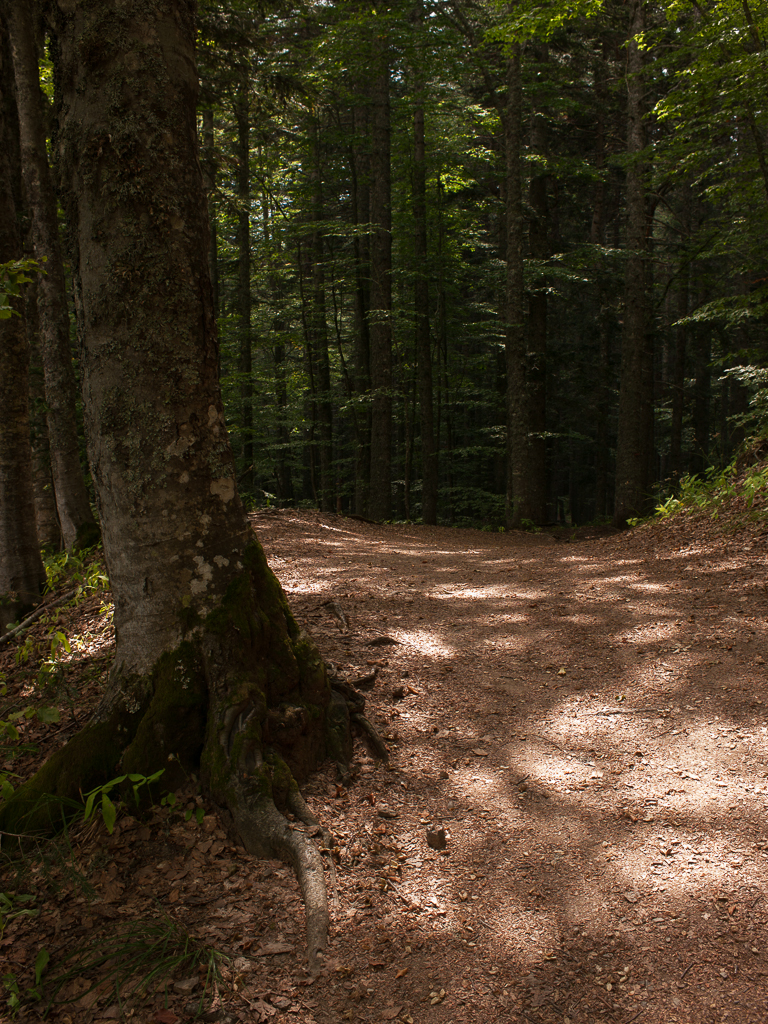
[529, 526]
[717, 490]
[16, 998]
[13, 275]
[107, 806]
[13, 905]
[83, 569]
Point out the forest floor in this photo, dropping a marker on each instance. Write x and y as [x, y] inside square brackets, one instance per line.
[585, 721]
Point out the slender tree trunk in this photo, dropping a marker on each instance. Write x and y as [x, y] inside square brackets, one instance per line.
[518, 427]
[21, 569]
[421, 296]
[634, 445]
[380, 317]
[284, 478]
[74, 510]
[361, 212]
[702, 399]
[319, 337]
[677, 382]
[48, 529]
[210, 665]
[597, 238]
[208, 166]
[533, 498]
[245, 361]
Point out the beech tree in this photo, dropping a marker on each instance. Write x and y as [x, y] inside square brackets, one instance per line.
[73, 506]
[210, 667]
[21, 569]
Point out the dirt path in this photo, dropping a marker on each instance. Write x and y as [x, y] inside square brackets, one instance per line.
[586, 723]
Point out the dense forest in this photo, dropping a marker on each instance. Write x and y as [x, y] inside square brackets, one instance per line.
[485, 263]
[473, 262]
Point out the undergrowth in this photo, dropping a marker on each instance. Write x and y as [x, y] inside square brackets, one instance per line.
[736, 495]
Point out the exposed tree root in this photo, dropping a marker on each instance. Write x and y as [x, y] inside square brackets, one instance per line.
[376, 741]
[298, 806]
[266, 832]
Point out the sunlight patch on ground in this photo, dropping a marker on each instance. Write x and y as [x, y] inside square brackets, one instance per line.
[425, 642]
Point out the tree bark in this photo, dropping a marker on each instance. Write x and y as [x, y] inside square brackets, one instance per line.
[210, 665]
[519, 451]
[245, 361]
[208, 166]
[429, 469]
[74, 510]
[21, 569]
[319, 335]
[380, 315]
[634, 444]
[359, 161]
[46, 517]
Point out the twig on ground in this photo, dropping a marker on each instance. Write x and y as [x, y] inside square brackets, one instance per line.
[36, 615]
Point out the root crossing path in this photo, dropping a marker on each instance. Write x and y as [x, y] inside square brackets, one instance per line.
[582, 727]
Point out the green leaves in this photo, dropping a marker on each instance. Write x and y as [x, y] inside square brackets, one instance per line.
[13, 275]
[107, 806]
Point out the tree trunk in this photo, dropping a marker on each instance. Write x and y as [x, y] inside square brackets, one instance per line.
[210, 664]
[532, 500]
[46, 517]
[74, 510]
[208, 166]
[245, 362]
[519, 450]
[421, 296]
[319, 337]
[359, 164]
[380, 316]
[21, 569]
[635, 438]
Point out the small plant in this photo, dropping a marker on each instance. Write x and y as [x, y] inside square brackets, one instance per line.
[10, 909]
[34, 993]
[529, 526]
[107, 806]
[147, 952]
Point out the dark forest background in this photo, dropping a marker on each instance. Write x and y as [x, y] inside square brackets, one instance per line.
[481, 263]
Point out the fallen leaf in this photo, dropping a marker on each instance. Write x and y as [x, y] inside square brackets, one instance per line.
[480, 752]
[391, 1013]
[165, 1017]
[402, 972]
[274, 948]
[186, 985]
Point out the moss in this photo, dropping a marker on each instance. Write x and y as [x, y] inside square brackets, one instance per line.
[173, 725]
[281, 776]
[189, 617]
[53, 794]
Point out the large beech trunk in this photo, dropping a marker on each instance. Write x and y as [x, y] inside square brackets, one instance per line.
[210, 665]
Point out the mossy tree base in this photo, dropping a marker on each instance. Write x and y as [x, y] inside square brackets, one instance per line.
[242, 700]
